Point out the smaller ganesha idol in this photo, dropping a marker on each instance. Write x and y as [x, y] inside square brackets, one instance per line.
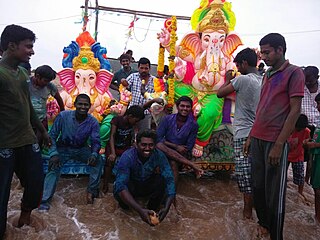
[86, 70]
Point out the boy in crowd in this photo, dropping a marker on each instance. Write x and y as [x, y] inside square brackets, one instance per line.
[121, 138]
[247, 84]
[123, 73]
[70, 133]
[144, 171]
[314, 166]
[298, 139]
[19, 150]
[40, 88]
[277, 112]
[177, 135]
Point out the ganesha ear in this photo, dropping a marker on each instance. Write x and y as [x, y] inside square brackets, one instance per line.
[232, 42]
[67, 80]
[104, 78]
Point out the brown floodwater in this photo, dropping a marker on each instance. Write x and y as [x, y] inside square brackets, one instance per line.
[207, 208]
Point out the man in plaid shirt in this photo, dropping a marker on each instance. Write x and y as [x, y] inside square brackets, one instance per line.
[311, 89]
[139, 83]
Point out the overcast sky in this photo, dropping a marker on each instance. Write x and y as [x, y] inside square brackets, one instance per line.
[56, 24]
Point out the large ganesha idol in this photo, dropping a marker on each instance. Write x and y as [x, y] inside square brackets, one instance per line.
[86, 70]
[203, 57]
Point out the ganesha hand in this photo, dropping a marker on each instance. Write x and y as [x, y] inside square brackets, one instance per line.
[196, 110]
[164, 37]
[125, 96]
[180, 69]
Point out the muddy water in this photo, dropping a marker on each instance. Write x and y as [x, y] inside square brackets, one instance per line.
[208, 208]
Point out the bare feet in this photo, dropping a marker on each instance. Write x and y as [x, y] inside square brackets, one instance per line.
[24, 218]
[198, 171]
[262, 232]
[89, 198]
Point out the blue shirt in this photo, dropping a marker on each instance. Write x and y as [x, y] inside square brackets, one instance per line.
[129, 167]
[66, 131]
[186, 135]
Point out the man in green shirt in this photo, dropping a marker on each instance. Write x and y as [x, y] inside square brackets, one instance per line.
[123, 73]
[19, 150]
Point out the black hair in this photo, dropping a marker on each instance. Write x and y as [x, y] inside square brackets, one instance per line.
[166, 69]
[129, 52]
[83, 96]
[16, 34]
[313, 70]
[184, 99]
[275, 40]
[144, 60]
[317, 98]
[248, 55]
[46, 72]
[125, 56]
[136, 112]
[147, 134]
[302, 121]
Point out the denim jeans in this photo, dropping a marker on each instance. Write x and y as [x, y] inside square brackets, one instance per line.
[26, 162]
[75, 154]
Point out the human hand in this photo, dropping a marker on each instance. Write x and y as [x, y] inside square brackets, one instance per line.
[124, 82]
[92, 161]
[182, 149]
[230, 74]
[275, 154]
[143, 89]
[246, 147]
[112, 157]
[54, 163]
[145, 215]
[46, 139]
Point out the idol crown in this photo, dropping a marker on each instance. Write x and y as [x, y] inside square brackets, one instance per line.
[86, 60]
[214, 20]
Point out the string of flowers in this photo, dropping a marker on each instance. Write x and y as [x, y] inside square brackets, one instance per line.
[172, 44]
[160, 67]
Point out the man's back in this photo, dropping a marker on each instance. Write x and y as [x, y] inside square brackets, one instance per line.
[247, 89]
[15, 123]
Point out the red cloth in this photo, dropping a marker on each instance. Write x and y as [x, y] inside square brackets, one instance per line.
[274, 105]
[295, 141]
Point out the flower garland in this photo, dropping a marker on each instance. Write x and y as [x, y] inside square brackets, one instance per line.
[172, 44]
[160, 67]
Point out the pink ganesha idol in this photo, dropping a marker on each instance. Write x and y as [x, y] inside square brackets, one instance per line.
[86, 70]
[202, 59]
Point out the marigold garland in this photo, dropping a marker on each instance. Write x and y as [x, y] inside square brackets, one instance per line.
[160, 67]
[172, 44]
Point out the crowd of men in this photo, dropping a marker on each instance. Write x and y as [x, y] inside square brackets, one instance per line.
[145, 162]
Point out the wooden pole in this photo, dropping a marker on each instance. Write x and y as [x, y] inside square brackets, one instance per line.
[97, 20]
[85, 17]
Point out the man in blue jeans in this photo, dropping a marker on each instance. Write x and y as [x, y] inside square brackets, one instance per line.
[70, 133]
